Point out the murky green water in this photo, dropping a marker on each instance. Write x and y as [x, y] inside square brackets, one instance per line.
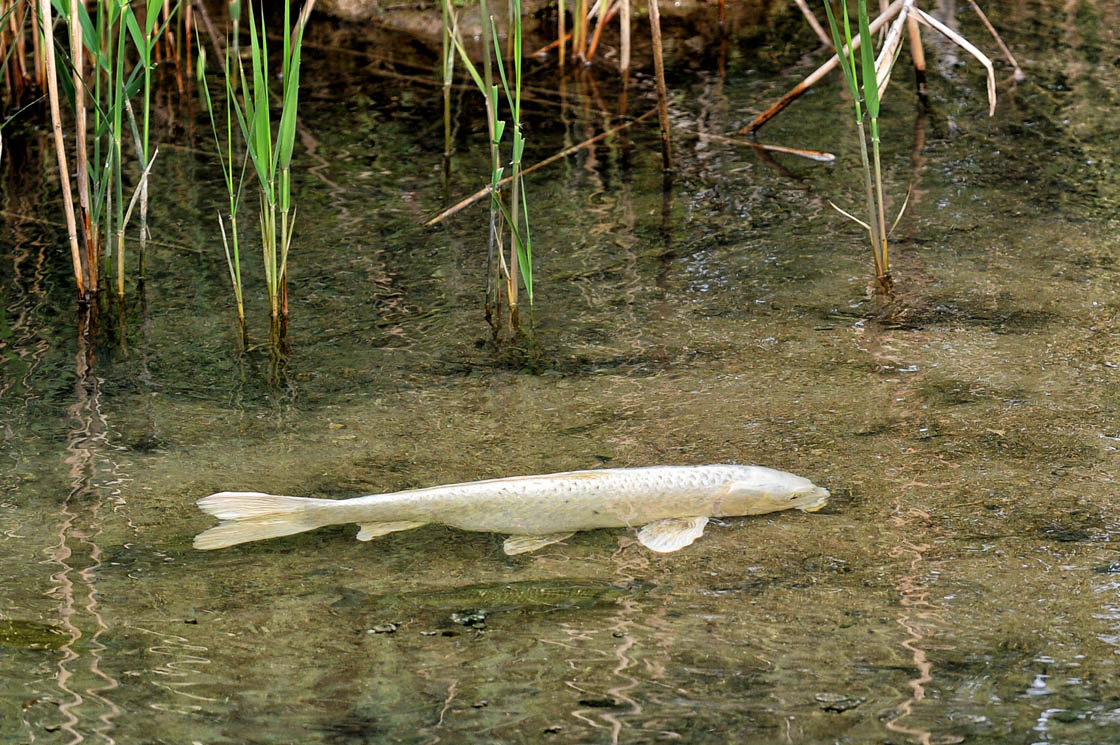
[961, 587]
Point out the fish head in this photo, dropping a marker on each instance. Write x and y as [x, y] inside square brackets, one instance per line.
[770, 491]
[809, 499]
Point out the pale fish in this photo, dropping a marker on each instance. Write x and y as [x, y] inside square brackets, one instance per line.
[671, 504]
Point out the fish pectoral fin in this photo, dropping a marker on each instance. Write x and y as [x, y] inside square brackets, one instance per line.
[521, 544]
[674, 533]
[369, 531]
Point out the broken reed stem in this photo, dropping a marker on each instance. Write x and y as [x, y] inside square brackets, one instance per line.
[662, 91]
[47, 26]
[884, 64]
[484, 191]
[812, 20]
[817, 74]
[816, 155]
[967, 46]
[605, 17]
[917, 52]
[551, 45]
[1018, 74]
[37, 55]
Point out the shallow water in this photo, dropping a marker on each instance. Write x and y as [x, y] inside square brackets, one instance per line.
[962, 586]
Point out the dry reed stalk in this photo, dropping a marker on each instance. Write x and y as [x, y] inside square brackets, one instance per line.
[561, 37]
[81, 150]
[812, 20]
[47, 25]
[917, 52]
[624, 39]
[188, 33]
[604, 19]
[37, 55]
[817, 155]
[165, 15]
[884, 64]
[17, 67]
[579, 42]
[552, 45]
[215, 41]
[817, 74]
[662, 91]
[1018, 75]
[967, 46]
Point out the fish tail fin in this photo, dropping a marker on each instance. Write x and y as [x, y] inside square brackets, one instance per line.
[253, 516]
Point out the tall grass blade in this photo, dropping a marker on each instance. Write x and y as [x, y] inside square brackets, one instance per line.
[867, 64]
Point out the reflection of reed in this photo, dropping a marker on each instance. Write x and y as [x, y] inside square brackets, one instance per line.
[452, 687]
[917, 613]
[79, 557]
[23, 350]
[180, 671]
[917, 610]
[620, 626]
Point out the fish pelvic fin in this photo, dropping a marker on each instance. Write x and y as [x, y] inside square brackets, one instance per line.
[522, 544]
[672, 534]
[253, 516]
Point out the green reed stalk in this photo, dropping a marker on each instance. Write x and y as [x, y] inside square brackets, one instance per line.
[516, 217]
[117, 109]
[233, 185]
[494, 127]
[448, 70]
[521, 254]
[145, 43]
[863, 85]
[272, 158]
[99, 149]
[60, 152]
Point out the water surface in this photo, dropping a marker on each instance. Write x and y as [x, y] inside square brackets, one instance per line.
[961, 586]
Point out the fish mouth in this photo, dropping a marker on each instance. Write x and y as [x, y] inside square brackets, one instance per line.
[820, 501]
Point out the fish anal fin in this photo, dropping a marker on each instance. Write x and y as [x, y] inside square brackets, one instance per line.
[369, 531]
[520, 544]
[674, 533]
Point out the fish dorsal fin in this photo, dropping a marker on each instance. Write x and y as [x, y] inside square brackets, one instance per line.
[369, 531]
[674, 533]
[520, 544]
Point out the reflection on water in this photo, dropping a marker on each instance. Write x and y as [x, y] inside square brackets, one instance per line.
[86, 703]
[917, 615]
[179, 672]
[961, 586]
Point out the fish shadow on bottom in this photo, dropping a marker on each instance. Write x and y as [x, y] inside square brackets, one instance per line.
[471, 605]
